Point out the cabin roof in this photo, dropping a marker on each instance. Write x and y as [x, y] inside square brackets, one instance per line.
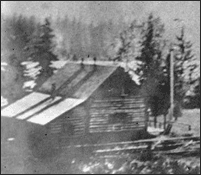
[75, 80]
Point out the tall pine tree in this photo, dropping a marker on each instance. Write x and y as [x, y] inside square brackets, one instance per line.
[40, 49]
[151, 71]
[183, 65]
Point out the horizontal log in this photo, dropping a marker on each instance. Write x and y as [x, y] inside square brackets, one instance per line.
[74, 119]
[119, 124]
[109, 114]
[102, 116]
[114, 127]
[98, 122]
[105, 104]
[117, 107]
[99, 117]
[77, 123]
[116, 104]
[118, 100]
[102, 131]
[123, 123]
[120, 149]
[114, 111]
[79, 130]
[56, 129]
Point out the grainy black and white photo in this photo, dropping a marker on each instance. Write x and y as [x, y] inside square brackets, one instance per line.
[100, 87]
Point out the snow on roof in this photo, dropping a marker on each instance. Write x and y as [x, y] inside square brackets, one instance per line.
[55, 111]
[33, 111]
[39, 109]
[58, 64]
[23, 104]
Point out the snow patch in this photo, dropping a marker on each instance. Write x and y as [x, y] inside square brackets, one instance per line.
[32, 72]
[30, 64]
[32, 69]
[29, 84]
[131, 67]
[11, 139]
[58, 64]
[3, 65]
[154, 131]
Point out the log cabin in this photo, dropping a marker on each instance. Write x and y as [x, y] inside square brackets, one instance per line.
[81, 103]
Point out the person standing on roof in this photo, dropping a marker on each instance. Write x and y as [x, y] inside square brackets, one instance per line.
[53, 91]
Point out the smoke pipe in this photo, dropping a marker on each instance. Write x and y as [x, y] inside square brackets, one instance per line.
[82, 62]
[94, 61]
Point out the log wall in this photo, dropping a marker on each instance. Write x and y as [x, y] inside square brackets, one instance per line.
[117, 114]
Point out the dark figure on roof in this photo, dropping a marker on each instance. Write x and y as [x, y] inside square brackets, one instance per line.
[94, 60]
[53, 91]
[82, 61]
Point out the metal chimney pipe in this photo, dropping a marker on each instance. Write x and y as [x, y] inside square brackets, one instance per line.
[94, 61]
[82, 61]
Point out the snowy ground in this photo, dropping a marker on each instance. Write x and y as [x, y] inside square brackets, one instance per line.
[189, 118]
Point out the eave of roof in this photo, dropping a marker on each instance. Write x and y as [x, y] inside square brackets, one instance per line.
[39, 108]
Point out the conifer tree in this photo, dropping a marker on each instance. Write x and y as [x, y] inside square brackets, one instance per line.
[40, 49]
[151, 70]
[183, 65]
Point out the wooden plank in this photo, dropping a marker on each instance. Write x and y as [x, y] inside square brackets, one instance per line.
[138, 142]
